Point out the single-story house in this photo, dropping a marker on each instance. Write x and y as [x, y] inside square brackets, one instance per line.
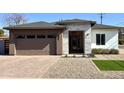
[62, 37]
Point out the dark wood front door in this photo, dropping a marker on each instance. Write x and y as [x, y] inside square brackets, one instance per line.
[76, 42]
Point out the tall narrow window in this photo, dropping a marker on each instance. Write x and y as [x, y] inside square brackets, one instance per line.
[97, 39]
[100, 39]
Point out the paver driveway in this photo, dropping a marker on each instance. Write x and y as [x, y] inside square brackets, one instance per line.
[52, 67]
[25, 66]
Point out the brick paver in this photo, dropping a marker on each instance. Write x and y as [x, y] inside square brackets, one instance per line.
[55, 67]
[25, 66]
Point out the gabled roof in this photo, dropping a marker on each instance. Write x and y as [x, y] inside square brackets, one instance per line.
[36, 25]
[75, 21]
[102, 26]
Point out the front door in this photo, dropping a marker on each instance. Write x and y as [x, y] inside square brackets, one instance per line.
[76, 42]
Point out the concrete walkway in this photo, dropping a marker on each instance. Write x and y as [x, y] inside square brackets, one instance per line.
[109, 57]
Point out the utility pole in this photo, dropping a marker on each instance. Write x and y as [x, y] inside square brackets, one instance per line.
[101, 17]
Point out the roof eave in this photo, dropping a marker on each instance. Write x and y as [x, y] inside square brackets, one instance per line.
[65, 23]
[10, 28]
[107, 28]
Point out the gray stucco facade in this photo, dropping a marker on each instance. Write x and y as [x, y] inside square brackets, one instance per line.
[59, 38]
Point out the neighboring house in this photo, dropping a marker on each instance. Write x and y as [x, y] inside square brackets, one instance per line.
[4, 45]
[63, 37]
[121, 33]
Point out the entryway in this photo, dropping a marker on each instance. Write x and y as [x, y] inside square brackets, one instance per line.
[76, 42]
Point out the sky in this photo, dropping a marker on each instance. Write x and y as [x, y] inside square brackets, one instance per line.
[108, 18]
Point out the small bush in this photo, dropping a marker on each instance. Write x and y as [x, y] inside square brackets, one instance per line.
[1, 32]
[95, 51]
[114, 51]
[121, 41]
[105, 51]
[66, 55]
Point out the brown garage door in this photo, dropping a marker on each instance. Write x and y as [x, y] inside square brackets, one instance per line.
[45, 46]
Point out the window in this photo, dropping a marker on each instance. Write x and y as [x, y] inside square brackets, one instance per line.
[100, 39]
[97, 39]
[103, 39]
[40, 36]
[51, 36]
[20, 36]
[30, 36]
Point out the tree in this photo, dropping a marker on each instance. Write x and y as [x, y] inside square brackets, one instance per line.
[1, 32]
[15, 19]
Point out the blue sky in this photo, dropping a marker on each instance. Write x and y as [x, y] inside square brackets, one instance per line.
[109, 18]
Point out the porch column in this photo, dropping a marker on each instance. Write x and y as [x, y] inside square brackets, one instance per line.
[66, 42]
[87, 48]
[12, 47]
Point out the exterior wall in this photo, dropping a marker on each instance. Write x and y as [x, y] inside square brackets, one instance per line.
[65, 42]
[12, 47]
[111, 38]
[77, 27]
[54, 44]
[59, 43]
[1, 47]
[87, 48]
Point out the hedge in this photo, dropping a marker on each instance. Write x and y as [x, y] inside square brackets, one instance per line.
[121, 41]
[105, 51]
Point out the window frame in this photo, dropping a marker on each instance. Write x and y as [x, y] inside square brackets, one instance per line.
[98, 40]
[51, 36]
[20, 37]
[27, 37]
[102, 39]
[41, 36]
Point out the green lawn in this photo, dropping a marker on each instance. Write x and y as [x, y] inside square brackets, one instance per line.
[110, 65]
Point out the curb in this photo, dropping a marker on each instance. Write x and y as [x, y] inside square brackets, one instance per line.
[94, 65]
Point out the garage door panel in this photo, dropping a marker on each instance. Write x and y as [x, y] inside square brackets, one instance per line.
[36, 46]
